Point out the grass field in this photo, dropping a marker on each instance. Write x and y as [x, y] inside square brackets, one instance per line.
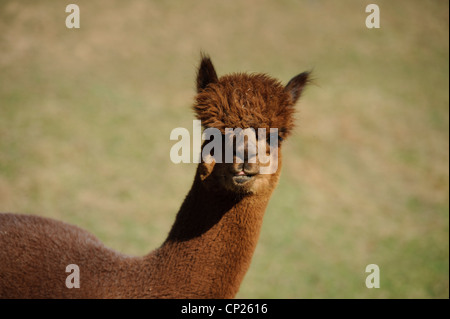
[86, 114]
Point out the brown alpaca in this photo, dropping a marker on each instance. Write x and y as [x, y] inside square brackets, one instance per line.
[211, 243]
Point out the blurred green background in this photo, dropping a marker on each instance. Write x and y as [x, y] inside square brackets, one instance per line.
[86, 114]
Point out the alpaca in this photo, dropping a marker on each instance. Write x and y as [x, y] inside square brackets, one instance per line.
[210, 245]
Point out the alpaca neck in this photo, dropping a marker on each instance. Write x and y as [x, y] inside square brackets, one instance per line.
[211, 243]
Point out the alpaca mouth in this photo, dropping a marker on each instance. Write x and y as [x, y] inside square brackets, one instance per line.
[242, 177]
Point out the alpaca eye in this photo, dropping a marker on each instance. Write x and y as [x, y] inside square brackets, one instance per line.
[273, 137]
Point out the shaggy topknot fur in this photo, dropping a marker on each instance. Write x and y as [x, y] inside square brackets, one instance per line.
[243, 100]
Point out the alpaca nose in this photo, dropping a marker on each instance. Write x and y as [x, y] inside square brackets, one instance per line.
[246, 168]
[251, 168]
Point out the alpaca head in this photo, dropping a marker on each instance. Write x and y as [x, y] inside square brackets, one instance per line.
[258, 108]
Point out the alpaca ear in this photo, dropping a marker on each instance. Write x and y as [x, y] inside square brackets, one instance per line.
[296, 85]
[206, 73]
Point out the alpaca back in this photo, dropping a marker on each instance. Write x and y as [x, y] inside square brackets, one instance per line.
[34, 254]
